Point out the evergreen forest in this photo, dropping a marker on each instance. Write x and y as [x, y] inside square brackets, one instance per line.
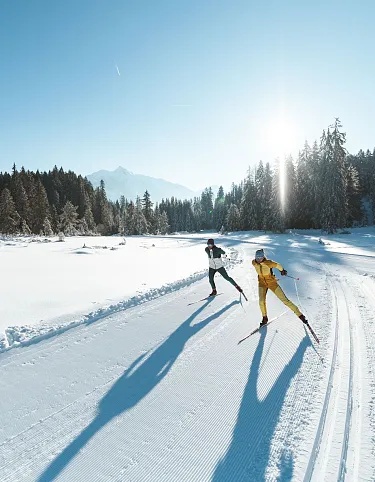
[325, 188]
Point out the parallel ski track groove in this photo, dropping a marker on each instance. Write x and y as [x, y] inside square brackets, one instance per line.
[366, 294]
[349, 406]
[319, 433]
[335, 285]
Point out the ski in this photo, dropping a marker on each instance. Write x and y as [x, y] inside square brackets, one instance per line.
[204, 299]
[256, 331]
[312, 333]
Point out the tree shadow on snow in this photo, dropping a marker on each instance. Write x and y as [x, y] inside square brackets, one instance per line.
[248, 454]
[142, 376]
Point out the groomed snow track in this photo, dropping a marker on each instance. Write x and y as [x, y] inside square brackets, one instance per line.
[336, 458]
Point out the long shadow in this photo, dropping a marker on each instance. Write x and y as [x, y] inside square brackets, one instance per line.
[248, 454]
[138, 380]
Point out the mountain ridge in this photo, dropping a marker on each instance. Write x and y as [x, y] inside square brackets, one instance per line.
[122, 182]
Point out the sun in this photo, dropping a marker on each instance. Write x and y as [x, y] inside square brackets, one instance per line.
[282, 137]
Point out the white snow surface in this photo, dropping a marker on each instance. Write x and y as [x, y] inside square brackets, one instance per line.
[113, 370]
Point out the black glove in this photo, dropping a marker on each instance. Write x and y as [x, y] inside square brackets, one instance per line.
[284, 272]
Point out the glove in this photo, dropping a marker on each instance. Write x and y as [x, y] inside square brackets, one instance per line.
[284, 272]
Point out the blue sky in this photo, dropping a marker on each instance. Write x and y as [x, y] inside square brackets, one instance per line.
[192, 91]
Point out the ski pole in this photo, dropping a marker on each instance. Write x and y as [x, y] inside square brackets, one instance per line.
[292, 277]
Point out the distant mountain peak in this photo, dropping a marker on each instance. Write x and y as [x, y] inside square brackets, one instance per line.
[122, 182]
[122, 169]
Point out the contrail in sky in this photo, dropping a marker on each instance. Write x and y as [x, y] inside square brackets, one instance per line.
[118, 70]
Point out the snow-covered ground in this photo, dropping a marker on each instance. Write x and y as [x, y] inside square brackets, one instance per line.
[113, 370]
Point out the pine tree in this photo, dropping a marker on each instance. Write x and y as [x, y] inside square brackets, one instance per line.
[260, 199]
[291, 203]
[248, 209]
[20, 198]
[40, 207]
[25, 230]
[9, 218]
[88, 221]
[266, 222]
[207, 209]
[304, 189]
[335, 203]
[147, 210]
[220, 211]
[69, 219]
[355, 213]
[47, 228]
[140, 223]
[102, 213]
[233, 220]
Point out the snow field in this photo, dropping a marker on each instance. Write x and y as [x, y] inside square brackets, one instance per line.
[161, 391]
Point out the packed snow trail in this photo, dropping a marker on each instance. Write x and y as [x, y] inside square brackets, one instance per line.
[143, 396]
[162, 391]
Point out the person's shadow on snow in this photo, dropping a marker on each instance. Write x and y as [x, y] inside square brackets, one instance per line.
[248, 454]
[137, 381]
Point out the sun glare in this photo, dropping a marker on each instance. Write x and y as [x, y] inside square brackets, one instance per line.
[282, 140]
[282, 136]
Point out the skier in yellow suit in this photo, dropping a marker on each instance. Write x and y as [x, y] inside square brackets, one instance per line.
[267, 280]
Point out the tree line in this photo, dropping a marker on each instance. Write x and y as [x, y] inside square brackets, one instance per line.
[325, 188]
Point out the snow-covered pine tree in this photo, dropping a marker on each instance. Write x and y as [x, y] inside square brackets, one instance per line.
[219, 209]
[147, 211]
[69, 219]
[9, 217]
[290, 195]
[207, 209]
[248, 206]
[47, 228]
[304, 212]
[233, 220]
[140, 223]
[20, 197]
[334, 211]
[163, 223]
[40, 207]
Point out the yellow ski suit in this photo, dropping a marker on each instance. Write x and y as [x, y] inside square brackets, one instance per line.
[267, 280]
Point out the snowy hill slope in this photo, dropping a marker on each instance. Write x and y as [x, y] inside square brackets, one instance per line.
[163, 392]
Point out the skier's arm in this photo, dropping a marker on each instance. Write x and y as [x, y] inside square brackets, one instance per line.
[278, 266]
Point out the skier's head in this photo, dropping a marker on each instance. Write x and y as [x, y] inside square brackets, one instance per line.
[210, 243]
[259, 255]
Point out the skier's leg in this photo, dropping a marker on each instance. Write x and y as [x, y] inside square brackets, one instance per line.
[282, 297]
[226, 276]
[211, 274]
[262, 299]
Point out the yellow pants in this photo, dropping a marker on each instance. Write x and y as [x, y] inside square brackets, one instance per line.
[280, 294]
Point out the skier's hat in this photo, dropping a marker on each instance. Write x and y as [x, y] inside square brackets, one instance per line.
[259, 254]
[211, 241]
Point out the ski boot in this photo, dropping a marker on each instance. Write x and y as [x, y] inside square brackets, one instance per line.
[238, 288]
[264, 321]
[303, 319]
[214, 293]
